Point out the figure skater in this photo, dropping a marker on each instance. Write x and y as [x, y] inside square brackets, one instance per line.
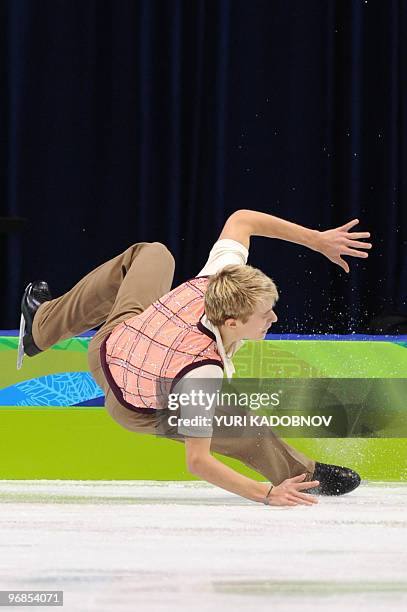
[149, 331]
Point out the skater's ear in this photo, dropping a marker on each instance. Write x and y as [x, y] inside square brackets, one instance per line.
[238, 227]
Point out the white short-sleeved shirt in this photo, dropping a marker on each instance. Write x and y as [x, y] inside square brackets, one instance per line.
[224, 252]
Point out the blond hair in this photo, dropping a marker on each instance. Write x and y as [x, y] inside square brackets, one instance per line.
[235, 291]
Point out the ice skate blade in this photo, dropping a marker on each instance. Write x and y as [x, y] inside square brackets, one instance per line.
[20, 350]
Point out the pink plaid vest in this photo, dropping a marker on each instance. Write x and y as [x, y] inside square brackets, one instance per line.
[167, 340]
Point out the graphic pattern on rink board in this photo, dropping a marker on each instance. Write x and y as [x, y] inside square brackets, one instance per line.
[54, 390]
[60, 377]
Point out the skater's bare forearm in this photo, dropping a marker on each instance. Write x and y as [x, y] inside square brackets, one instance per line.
[210, 469]
[243, 224]
[332, 243]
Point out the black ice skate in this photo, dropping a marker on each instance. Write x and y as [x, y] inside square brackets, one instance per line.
[333, 480]
[34, 295]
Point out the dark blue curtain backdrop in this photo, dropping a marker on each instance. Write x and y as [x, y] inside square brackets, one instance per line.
[130, 121]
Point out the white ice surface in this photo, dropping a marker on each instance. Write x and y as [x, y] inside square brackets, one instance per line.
[115, 546]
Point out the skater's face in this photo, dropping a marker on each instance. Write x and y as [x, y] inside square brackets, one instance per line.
[257, 324]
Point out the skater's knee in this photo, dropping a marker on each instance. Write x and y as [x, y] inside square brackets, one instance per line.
[163, 253]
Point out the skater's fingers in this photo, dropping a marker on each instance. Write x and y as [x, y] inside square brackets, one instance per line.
[357, 235]
[354, 253]
[288, 502]
[299, 501]
[349, 225]
[299, 478]
[341, 262]
[305, 496]
[284, 500]
[307, 485]
[355, 244]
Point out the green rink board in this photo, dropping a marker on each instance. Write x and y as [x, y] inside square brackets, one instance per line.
[81, 443]
[85, 444]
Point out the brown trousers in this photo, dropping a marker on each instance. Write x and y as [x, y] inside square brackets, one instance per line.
[124, 287]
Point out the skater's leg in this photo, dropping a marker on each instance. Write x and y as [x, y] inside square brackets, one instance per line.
[91, 300]
[267, 454]
[148, 278]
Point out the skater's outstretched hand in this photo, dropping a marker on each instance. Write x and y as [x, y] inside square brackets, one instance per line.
[289, 492]
[201, 463]
[340, 241]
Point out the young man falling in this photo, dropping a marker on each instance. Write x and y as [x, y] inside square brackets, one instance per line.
[192, 332]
